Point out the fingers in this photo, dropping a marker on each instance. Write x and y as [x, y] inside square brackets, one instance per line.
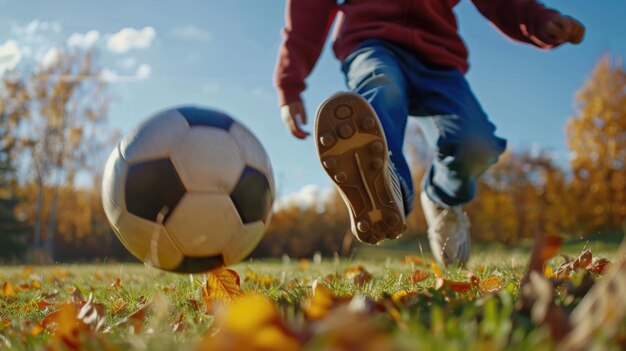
[294, 117]
[565, 29]
[578, 33]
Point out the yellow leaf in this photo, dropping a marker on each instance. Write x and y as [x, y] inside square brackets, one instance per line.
[319, 304]
[7, 288]
[36, 329]
[273, 338]
[303, 263]
[436, 270]
[221, 286]
[416, 260]
[490, 284]
[547, 272]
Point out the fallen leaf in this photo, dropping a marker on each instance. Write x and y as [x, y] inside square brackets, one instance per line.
[599, 266]
[416, 260]
[320, 302]
[458, 287]
[179, 324]
[581, 262]
[7, 289]
[436, 270]
[221, 286]
[358, 275]
[134, 320]
[36, 329]
[303, 263]
[263, 280]
[117, 284]
[490, 284]
[418, 276]
[551, 246]
[250, 322]
[65, 327]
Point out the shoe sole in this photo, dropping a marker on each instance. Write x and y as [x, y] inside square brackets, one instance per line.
[352, 148]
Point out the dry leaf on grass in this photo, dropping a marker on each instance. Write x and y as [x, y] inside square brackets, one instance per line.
[601, 311]
[358, 275]
[416, 260]
[250, 322]
[221, 286]
[418, 276]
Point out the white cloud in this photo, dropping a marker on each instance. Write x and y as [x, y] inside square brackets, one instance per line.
[35, 27]
[127, 63]
[51, 57]
[309, 196]
[83, 41]
[131, 38]
[191, 32]
[10, 56]
[143, 72]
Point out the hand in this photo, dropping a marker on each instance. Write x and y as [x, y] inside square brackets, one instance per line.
[565, 29]
[294, 117]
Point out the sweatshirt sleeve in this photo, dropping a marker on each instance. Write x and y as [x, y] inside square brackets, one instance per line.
[307, 23]
[521, 20]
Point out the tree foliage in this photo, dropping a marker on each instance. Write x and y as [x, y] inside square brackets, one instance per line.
[596, 135]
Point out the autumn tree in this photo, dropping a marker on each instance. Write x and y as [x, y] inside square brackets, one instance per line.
[596, 136]
[64, 106]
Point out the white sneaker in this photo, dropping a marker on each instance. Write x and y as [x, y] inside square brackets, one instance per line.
[353, 150]
[448, 232]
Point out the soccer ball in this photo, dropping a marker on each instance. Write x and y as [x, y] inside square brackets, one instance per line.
[188, 190]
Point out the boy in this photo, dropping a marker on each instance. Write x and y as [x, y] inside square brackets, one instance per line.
[401, 58]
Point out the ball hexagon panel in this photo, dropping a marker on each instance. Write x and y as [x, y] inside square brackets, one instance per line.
[148, 241]
[202, 224]
[253, 152]
[113, 186]
[242, 245]
[252, 196]
[155, 137]
[208, 159]
[153, 189]
[197, 116]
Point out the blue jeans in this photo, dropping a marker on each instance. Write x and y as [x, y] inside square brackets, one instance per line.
[397, 84]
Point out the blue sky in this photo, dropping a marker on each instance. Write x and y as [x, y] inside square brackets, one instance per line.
[222, 54]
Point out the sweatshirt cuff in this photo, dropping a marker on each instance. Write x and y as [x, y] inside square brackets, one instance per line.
[287, 96]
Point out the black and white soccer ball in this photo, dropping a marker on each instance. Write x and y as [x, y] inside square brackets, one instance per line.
[188, 190]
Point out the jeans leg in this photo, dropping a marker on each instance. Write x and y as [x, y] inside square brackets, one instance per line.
[461, 131]
[372, 71]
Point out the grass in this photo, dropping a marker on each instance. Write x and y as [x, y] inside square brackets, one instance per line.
[432, 319]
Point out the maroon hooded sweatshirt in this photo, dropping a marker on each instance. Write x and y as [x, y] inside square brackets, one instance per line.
[427, 28]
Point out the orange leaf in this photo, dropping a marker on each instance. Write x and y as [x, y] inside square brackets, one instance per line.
[7, 288]
[436, 270]
[320, 303]
[221, 286]
[551, 247]
[418, 276]
[491, 284]
[358, 275]
[303, 263]
[117, 284]
[66, 327]
[416, 260]
[459, 287]
[36, 329]
[136, 319]
[43, 304]
[599, 266]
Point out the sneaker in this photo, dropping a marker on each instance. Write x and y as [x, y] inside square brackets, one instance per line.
[353, 150]
[448, 232]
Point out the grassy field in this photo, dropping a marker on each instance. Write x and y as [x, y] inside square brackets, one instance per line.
[376, 300]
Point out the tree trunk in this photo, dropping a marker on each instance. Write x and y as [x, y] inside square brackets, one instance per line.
[52, 224]
[37, 226]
